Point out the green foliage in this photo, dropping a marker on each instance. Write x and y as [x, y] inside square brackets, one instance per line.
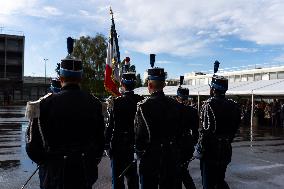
[92, 52]
[132, 68]
[138, 81]
[57, 69]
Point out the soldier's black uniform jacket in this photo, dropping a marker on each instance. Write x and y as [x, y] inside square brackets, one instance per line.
[67, 138]
[158, 120]
[220, 119]
[120, 131]
[191, 126]
[158, 130]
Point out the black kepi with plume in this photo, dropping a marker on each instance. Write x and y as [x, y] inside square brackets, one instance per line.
[155, 73]
[128, 78]
[182, 92]
[216, 66]
[218, 82]
[55, 85]
[71, 67]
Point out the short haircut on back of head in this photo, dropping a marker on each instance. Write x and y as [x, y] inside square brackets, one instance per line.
[129, 86]
[157, 84]
[71, 79]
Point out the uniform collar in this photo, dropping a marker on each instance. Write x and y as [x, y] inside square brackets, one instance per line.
[219, 96]
[70, 86]
[128, 93]
[158, 93]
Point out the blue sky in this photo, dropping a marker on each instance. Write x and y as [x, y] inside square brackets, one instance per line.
[185, 35]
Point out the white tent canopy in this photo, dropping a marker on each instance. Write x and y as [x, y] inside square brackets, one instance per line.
[246, 88]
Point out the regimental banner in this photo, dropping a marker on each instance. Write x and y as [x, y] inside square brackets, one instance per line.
[112, 77]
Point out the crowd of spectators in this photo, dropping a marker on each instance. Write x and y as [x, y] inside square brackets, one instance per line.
[267, 113]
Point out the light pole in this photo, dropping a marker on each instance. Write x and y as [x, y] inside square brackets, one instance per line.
[45, 59]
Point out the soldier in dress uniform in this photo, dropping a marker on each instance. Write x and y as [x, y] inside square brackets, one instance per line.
[191, 136]
[158, 128]
[55, 85]
[120, 134]
[66, 131]
[220, 119]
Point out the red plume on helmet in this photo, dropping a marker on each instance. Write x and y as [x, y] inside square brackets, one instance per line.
[127, 60]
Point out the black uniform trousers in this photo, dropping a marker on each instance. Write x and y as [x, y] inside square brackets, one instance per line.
[185, 178]
[119, 162]
[213, 175]
[158, 168]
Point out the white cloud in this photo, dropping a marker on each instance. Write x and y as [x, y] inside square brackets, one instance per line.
[193, 64]
[126, 52]
[166, 44]
[163, 62]
[10, 10]
[84, 13]
[203, 22]
[180, 28]
[52, 11]
[243, 49]
[15, 6]
[279, 58]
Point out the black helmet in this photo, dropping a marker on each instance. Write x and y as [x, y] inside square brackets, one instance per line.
[128, 78]
[183, 93]
[155, 73]
[219, 82]
[55, 85]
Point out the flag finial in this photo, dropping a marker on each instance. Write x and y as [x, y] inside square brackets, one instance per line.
[111, 13]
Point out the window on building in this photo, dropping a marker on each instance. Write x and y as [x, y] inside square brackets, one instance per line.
[280, 75]
[265, 76]
[197, 82]
[188, 82]
[250, 77]
[244, 78]
[257, 77]
[272, 75]
[206, 81]
[237, 78]
[231, 79]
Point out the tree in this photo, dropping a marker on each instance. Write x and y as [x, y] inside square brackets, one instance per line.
[92, 52]
[132, 68]
[138, 81]
[57, 69]
[145, 83]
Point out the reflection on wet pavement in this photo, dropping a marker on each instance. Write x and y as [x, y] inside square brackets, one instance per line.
[8, 164]
[10, 115]
[257, 133]
[258, 156]
[15, 166]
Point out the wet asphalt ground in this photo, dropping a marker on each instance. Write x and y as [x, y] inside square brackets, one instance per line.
[257, 163]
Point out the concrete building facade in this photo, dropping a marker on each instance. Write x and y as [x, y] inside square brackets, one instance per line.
[12, 49]
[255, 74]
[14, 87]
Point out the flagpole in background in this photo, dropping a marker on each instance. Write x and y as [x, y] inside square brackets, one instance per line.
[112, 77]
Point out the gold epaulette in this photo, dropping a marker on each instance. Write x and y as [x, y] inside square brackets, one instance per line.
[33, 107]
